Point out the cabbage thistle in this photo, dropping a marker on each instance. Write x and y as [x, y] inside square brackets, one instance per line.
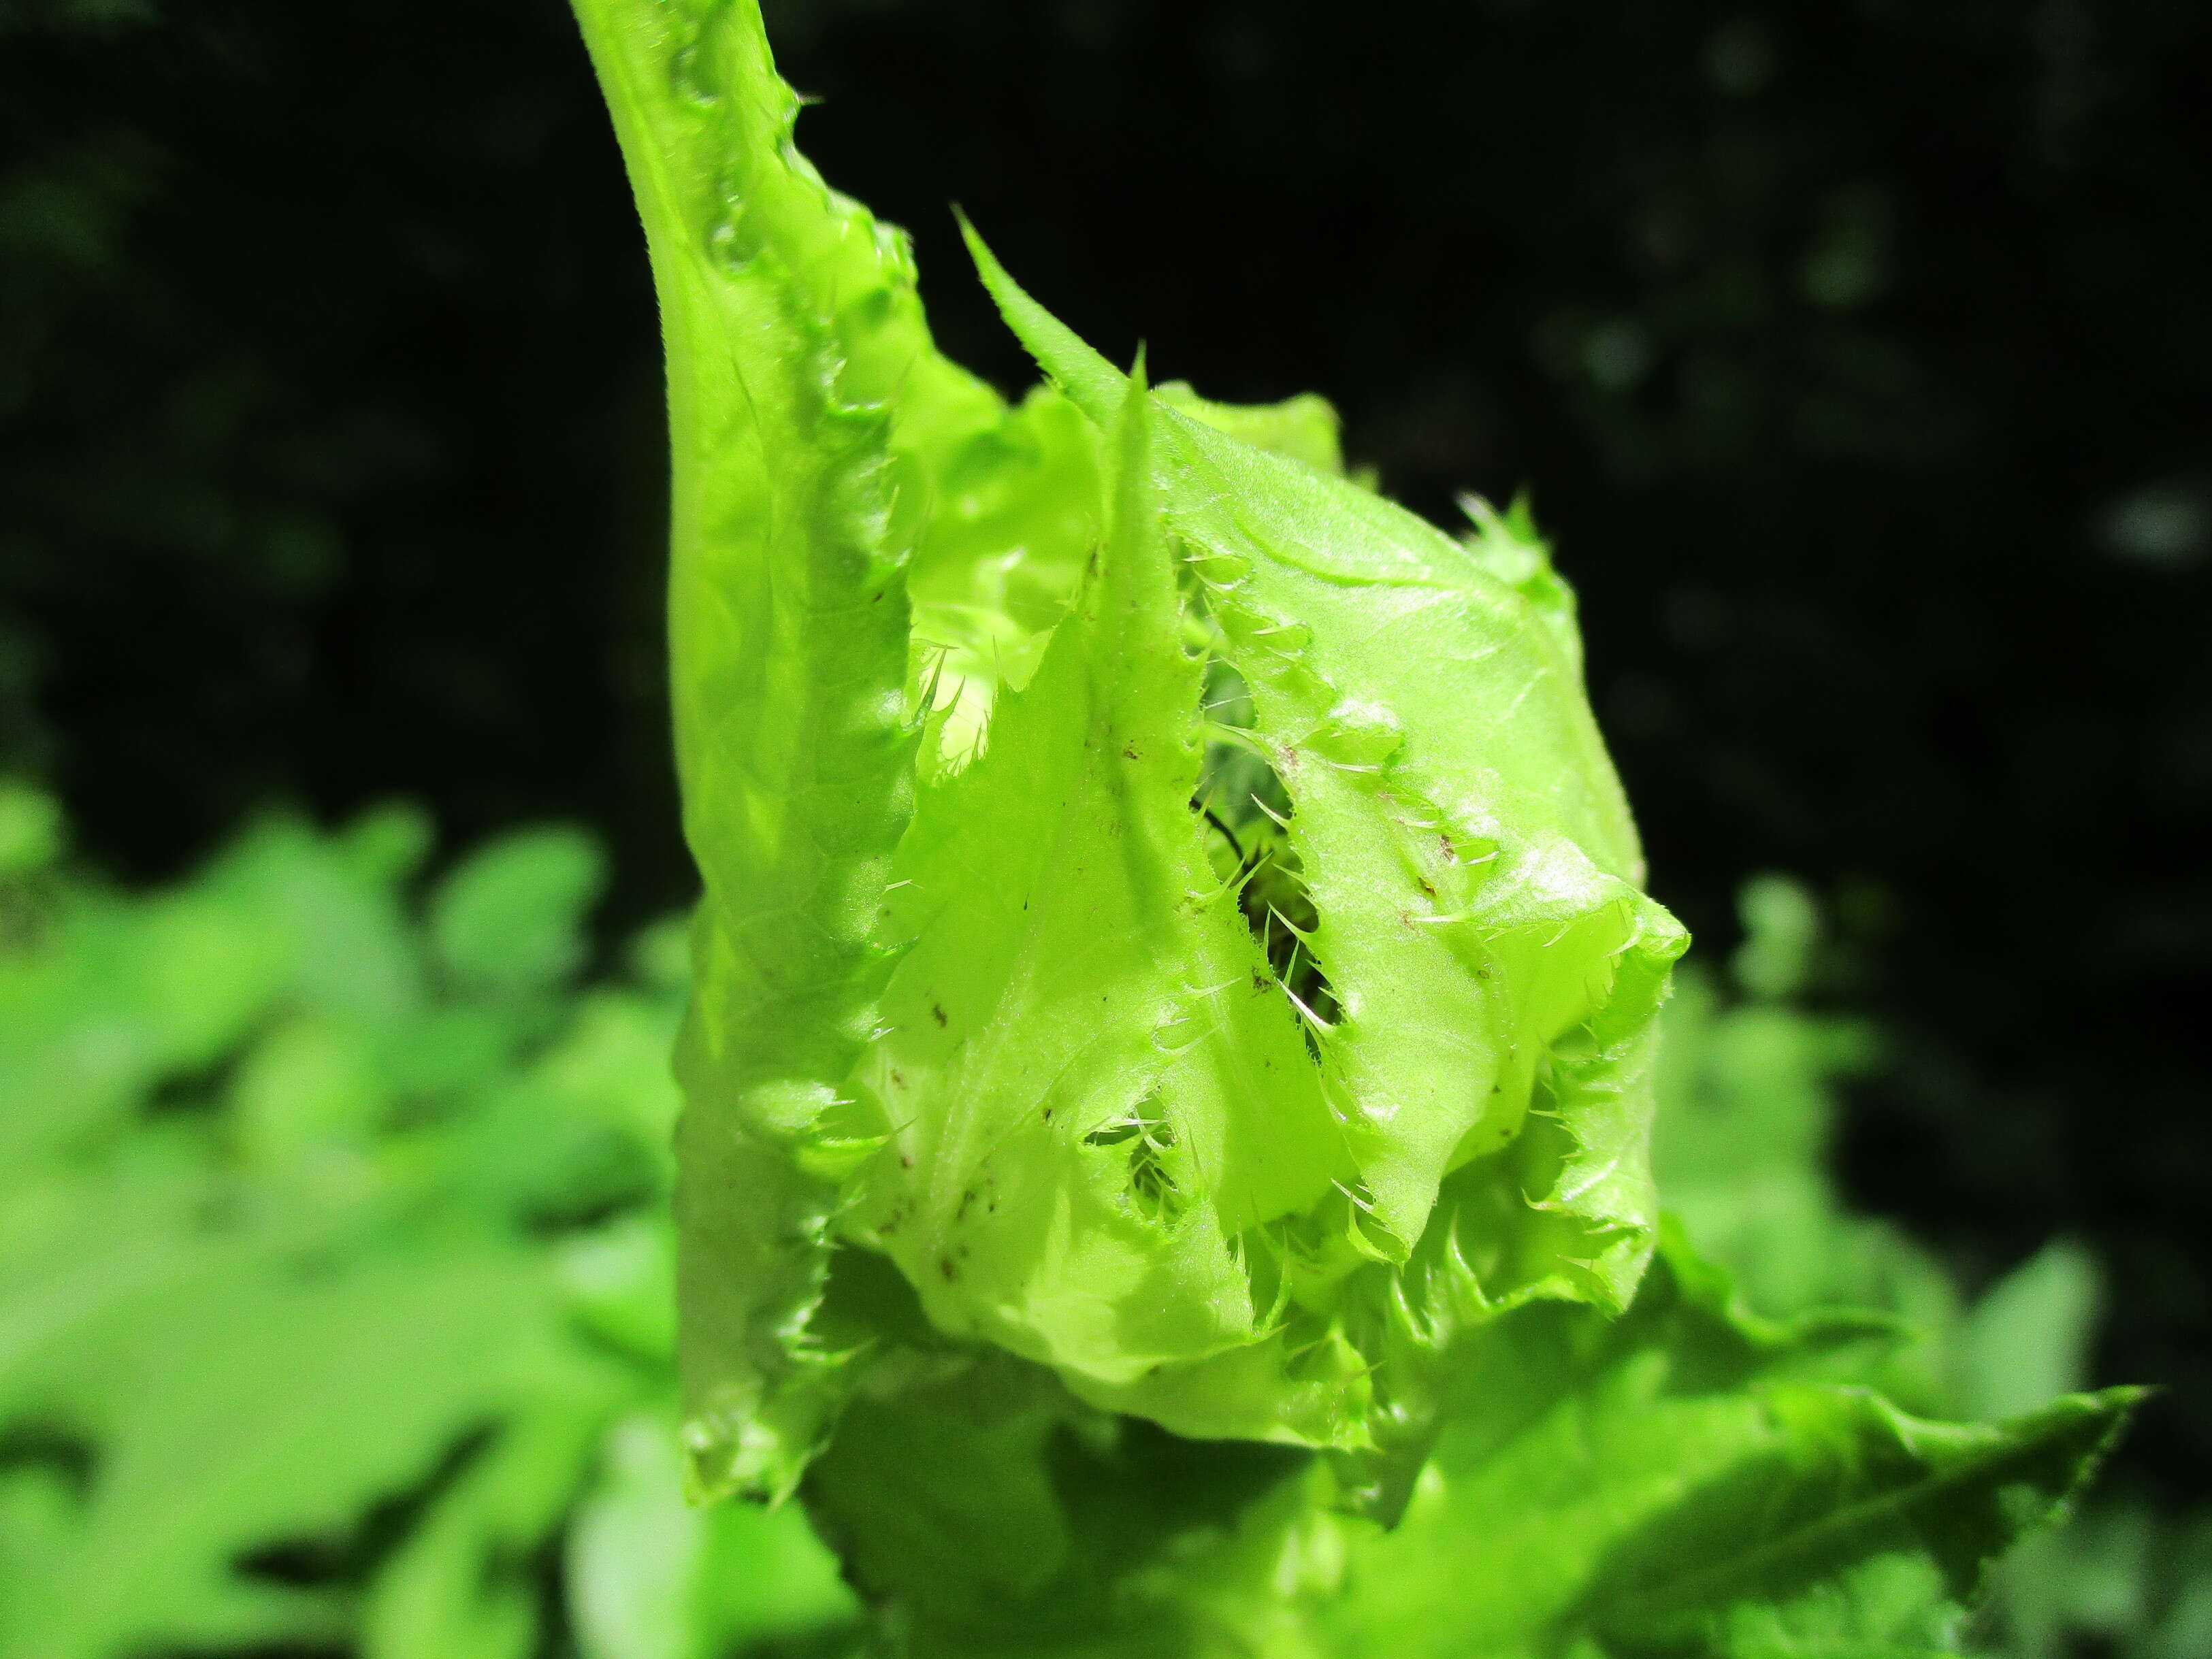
[1173, 976]
[1169, 901]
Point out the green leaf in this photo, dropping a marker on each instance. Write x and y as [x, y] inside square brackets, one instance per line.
[1684, 1494]
[1782, 932]
[1304, 428]
[991, 1515]
[650, 1576]
[31, 833]
[1679, 1481]
[792, 322]
[1492, 973]
[2027, 1341]
[460, 1585]
[1747, 1101]
[510, 916]
[336, 909]
[1084, 1149]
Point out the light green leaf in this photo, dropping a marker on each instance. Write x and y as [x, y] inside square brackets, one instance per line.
[1747, 1102]
[1681, 1480]
[1304, 428]
[632, 1559]
[510, 916]
[32, 832]
[242, 1389]
[2027, 1341]
[1491, 974]
[651, 1577]
[1084, 1150]
[1682, 1494]
[348, 945]
[460, 1585]
[991, 1515]
[792, 322]
[1782, 932]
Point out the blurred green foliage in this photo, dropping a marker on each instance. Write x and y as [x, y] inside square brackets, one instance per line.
[336, 1292]
[1748, 1104]
[336, 1295]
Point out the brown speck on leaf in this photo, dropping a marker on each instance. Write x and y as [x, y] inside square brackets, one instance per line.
[1445, 841]
[1262, 983]
[1048, 1114]
[906, 1160]
[1422, 882]
[945, 1266]
[1129, 751]
[897, 1082]
[966, 1198]
[938, 1009]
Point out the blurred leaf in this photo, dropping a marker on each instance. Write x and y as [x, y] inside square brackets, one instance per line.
[651, 1577]
[310, 1084]
[621, 1283]
[1655, 1505]
[1741, 1150]
[244, 1389]
[2027, 1341]
[387, 844]
[30, 830]
[634, 1552]
[510, 917]
[286, 1353]
[350, 944]
[1782, 930]
[461, 1585]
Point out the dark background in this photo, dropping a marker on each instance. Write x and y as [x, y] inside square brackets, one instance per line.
[1859, 356]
